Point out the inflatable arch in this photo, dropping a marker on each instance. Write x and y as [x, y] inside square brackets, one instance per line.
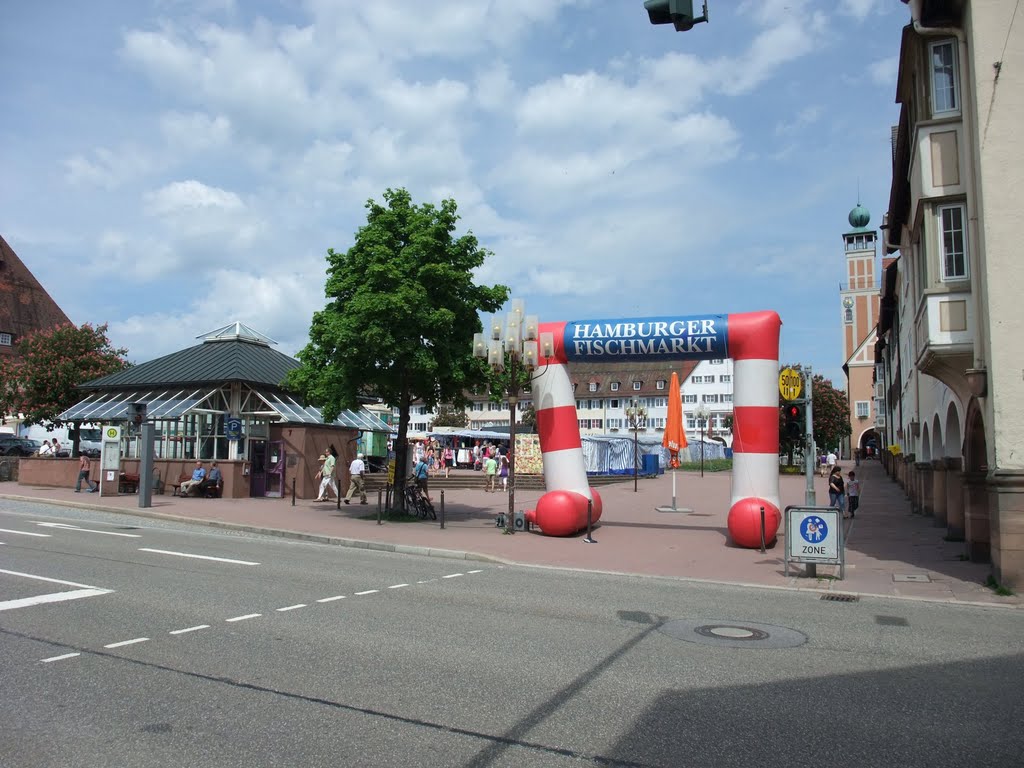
[750, 339]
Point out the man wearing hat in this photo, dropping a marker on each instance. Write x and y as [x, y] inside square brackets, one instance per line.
[357, 471]
[327, 473]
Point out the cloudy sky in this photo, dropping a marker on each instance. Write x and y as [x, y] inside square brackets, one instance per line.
[170, 166]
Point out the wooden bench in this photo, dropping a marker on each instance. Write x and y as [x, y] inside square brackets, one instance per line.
[176, 487]
[128, 483]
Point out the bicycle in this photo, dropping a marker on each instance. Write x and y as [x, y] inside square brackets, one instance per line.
[416, 501]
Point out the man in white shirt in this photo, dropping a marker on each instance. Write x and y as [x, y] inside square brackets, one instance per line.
[356, 471]
[831, 461]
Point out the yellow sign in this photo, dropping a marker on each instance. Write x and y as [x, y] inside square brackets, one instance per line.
[391, 472]
[791, 384]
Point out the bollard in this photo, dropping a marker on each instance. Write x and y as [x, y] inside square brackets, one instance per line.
[442, 509]
[762, 531]
[380, 495]
[590, 523]
[293, 491]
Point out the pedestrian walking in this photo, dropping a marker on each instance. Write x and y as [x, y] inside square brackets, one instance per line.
[84, 468]
[503, 463]
[327, 481]
[837, 489]
[357, 479]
[853, 493]
[491, 473]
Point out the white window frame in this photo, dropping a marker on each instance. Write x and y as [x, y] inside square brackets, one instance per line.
[725, 378]
[944, 256]
[660, 384]
[690, 399]
[863, 408]
[637, 385]
[615, 386]
[955, 66]
[6, 340]
[592, 386]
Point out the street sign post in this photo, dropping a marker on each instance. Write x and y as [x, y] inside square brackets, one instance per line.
[790, 384]
[815, 535]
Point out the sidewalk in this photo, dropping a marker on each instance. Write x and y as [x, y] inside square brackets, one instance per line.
[885, 544]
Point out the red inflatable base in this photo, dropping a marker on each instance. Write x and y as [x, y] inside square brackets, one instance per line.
[563, 513]
[745, 522]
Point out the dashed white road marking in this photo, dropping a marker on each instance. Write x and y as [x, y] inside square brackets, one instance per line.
[367, 591]
[198, 557]
[246, 616]
[291, 607]
[59, 658]
[476, 571]
[67, 527]
[331, 599]
[188, 629]
[127, 642]
[397, 586]
[26, 533]
[452, 575]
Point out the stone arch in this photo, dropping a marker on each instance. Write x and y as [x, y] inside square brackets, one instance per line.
[975, 494]
[937, 449]
[926, 444]
[954, 442]
[975, 442]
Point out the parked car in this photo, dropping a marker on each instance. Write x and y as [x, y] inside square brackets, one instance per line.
[12, 445]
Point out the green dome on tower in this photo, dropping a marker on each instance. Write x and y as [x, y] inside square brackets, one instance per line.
[859, 217]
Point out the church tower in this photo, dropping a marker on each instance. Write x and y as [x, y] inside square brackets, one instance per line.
[859, 304]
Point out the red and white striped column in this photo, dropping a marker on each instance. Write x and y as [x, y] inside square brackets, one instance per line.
[562, 511]
[753, 341]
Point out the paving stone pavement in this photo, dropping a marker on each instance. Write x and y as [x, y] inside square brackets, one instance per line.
[889, 550]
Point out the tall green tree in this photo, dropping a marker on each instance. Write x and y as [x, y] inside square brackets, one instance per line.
[41, 381]
[401, 313]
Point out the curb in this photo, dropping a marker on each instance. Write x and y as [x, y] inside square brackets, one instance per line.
[454, 554]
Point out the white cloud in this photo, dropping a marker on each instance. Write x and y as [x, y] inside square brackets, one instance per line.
[108, 168]
[195, 131]
[190, 196]
[884, 71]
[859, 9]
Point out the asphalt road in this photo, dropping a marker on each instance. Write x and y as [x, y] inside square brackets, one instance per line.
[283, 653]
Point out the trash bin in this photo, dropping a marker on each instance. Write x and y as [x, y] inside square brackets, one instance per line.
[650, 465]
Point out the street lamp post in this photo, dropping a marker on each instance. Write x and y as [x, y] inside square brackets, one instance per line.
[702, 413]
[636, 417]
[514, 342]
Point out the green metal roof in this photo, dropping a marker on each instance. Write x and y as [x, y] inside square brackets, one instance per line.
[212, 362]
[174, 384]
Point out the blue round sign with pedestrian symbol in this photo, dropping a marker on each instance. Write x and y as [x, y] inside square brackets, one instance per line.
[814, 529]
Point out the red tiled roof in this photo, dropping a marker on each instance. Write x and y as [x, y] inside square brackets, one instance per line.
[25, 306]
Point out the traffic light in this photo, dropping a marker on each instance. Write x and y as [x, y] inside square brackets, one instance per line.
[794, 429]
[678, 13]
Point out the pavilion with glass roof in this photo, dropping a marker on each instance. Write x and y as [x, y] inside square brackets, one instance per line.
[224, 400]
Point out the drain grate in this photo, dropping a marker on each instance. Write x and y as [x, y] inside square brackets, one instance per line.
[839, 597]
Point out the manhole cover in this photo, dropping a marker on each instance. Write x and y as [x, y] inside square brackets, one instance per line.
[923, 578]
[733, 634]
[737, 633]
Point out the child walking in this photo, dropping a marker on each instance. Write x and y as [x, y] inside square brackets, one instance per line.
[853, 494]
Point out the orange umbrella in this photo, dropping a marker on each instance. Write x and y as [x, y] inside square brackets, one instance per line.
[675, 436]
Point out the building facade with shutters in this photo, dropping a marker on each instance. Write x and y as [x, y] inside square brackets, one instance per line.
[948, 360]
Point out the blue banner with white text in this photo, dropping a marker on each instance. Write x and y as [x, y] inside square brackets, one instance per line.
[697, 337]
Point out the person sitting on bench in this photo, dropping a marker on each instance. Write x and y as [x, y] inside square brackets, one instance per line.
[198, 476]
[211, 485]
